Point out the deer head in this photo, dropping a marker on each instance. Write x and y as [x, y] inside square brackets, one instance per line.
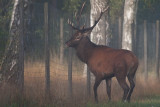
[82, 31]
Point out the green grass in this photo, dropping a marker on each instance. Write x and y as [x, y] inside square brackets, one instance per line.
[20, 104]
[121, 104]
[151, 101]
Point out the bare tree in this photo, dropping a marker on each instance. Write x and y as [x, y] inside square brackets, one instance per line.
[12, 70]
[130, 11]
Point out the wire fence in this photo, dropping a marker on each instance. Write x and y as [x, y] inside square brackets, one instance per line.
[59, 32]
[34, 45]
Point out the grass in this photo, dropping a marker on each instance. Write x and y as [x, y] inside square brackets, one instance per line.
[148, 101]
[146, 93]
[153, 101]
[121, 104]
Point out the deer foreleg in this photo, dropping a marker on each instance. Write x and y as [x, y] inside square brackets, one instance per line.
[108, 87]
[96, 84]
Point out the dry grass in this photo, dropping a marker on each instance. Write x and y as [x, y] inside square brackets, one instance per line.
[35, 82]
[35, 86]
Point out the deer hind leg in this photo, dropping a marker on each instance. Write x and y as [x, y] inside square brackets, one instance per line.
[96, 84]
[131, 81]
[132, 85]
[108, 87]
[123, 84]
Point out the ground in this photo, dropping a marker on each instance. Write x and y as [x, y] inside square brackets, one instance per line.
[146, 93]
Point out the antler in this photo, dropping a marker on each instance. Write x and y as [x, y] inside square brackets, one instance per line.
[95, 23]
[72, 25]
[77, 18]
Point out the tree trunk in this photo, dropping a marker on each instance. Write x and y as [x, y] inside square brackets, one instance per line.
[28, 22]
[12, 71]
[129, 23]
[101, 32]
[135, 30]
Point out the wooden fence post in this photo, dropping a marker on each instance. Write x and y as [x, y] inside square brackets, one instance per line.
[61, 41]
[120, 32]
[88, 82]
[21, 49]
[157, 48]
[70, 73]
[47, 54]
[145, 50]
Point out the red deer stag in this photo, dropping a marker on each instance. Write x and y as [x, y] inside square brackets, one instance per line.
[104, 62]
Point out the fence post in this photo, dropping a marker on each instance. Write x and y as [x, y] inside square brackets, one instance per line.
[145, 50]
[21, 49]
[120, 32]
[157, 48]
[47, 54]
[61, 41]
[70, 73]
[88, 82]
[134, 39]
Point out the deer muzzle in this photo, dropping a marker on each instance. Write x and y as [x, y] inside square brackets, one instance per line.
[68, 43]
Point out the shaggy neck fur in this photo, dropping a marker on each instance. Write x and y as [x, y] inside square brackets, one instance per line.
[84, 49]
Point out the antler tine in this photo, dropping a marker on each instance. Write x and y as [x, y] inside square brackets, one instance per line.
[77, 18]
[72, 25]
[82, 9]
[80, 13]
[75, 14]
[105, 9]
[99, 17]
[96, 21]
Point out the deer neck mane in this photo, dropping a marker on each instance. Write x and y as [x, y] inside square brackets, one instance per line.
[85, 49]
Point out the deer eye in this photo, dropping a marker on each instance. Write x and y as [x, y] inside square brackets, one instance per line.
[78, 38]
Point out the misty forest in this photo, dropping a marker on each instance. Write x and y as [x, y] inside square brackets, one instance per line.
[79, 53]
